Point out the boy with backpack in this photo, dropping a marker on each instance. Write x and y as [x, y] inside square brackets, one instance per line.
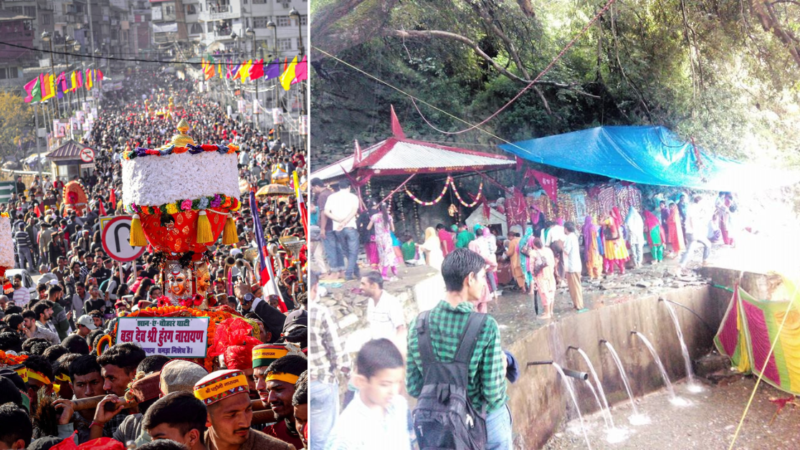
[456, 367]
[377, 417]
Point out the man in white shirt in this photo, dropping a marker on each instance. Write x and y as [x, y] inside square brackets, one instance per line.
[572, 265]
[384, 312]
[342, 208]
[22, 295]
[695, 232]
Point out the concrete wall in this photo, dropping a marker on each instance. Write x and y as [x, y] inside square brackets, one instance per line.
[536, 400]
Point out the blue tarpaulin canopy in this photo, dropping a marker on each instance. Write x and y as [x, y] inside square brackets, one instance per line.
[647, 155]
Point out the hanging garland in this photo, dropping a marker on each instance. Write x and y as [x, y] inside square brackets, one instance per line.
[449, 182]
[458, 196]
[436, 200]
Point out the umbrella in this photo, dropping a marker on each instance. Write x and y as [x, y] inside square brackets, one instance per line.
[274, 190]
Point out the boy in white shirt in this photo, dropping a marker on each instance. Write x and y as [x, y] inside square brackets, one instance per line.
[378, 416]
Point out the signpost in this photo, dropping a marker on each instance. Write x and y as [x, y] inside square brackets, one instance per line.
[87, 155]
[116, 236]
[180, 337]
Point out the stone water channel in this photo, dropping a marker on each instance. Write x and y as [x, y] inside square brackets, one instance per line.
[543, 414]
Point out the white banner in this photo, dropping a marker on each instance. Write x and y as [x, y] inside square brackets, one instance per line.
[178, 337]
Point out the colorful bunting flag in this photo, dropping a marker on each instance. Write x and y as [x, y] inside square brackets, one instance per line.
[301, 71]
[288, 75]
[273, 70]
[33, 88]
[49, 87]
[257, 70]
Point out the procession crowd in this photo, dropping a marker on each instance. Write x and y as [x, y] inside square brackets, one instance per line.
[64, 383]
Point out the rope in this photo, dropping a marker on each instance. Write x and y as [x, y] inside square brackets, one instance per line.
[530, 85]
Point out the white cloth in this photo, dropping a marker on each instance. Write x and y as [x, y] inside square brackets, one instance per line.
[572, 254]
[385, 317]
[341, 204]
[360, 428]
[635, 226]
[434, 252]
[556, 233]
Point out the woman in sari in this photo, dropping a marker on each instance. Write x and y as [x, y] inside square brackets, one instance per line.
[542, 264]
[483, 246]
[675, 231]
[616, 254]
[382, 224]
[655, 236]
[432, 248]
[594, 260]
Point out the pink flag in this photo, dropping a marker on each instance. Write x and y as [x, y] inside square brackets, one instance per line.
[397, 130]
[547, 182]
[29, 89]
[301, 71]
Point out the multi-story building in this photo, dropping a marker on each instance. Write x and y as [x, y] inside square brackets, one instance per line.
[221, 25]
[41, 12]
[16, 29]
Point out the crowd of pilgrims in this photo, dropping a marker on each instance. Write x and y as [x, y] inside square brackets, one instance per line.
[50, 332]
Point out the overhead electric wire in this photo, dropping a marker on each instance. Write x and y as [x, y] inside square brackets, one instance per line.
[114, 58]
[530, 85]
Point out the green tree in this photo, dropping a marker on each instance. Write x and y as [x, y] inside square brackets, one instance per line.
[16, 123]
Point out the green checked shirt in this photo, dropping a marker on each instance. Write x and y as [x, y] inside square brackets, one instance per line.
[487, 380]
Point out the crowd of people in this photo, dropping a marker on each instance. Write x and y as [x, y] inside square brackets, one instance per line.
[60, 380]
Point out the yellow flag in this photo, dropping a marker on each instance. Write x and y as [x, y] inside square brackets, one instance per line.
[219, 69]
[48, 91]
[244, 71]
[288, 76]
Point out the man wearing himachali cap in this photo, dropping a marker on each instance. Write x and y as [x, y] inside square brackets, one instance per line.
[276, 369]
[225, 394]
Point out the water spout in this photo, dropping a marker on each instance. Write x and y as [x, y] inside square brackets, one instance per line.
[622, 373]
[571, 391]
[567, 372]
[607, 411]
[684, 350]
[658, 363]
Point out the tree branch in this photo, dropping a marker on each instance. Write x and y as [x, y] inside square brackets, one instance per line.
[427, 34]
[494, 28]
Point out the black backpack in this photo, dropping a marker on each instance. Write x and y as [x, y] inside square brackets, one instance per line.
[444, 417]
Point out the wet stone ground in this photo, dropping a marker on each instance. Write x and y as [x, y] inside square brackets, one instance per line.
[514, 309]
[706, 420]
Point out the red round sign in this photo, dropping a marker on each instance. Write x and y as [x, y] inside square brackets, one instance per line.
[116, 240]
[87, 155]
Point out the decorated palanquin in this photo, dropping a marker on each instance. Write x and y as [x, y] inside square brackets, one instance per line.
[75, 198]
[181, 194]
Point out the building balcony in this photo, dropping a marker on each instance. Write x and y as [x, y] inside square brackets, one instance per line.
[224, 12]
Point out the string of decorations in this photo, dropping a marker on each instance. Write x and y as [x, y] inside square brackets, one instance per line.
[449, 182]
[215, 201]
[192, 149]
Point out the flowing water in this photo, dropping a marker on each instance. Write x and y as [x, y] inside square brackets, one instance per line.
[606, 411]
[599, 405]
[622, 374]
[660, 365]
[693, 387]
[568, 383]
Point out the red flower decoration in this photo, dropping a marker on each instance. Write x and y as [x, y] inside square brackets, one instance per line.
[163, 301]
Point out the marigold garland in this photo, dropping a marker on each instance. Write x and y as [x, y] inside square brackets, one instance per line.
[11, 360]
[449, 182]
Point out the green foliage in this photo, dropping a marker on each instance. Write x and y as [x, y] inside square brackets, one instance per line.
[16, 122]
[716, 76]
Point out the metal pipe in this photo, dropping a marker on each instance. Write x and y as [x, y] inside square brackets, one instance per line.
[539, 363]
[603, 341]
[583, 376]
[572, 347]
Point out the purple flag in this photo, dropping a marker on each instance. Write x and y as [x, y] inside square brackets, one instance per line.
[273, 70]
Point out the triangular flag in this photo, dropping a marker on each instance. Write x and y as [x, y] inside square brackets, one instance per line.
[288, 76]
[301, 71]
[100, 75]
[236, 71]
[60, 86]
[80, 78]
[397, 130]
[244, 71]
[273, 70]
[88, 83]
[285, 64]
[257, 70]
[29, 87]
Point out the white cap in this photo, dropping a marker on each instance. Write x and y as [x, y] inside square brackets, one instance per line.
[87, 321]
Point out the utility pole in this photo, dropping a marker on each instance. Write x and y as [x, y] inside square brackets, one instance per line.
[38, 148]
[301, 47]
[91, 29]
[271, 24]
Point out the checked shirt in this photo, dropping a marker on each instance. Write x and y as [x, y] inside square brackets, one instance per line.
[487, 385]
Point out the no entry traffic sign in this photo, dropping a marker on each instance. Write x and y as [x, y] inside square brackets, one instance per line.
[87, 155]
[116, 239]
